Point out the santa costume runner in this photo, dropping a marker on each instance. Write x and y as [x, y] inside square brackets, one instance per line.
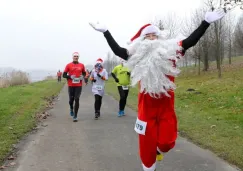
[152, 58]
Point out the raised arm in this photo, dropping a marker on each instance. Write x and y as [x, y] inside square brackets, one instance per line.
[195, 36]
[117, 50]
[210, 17]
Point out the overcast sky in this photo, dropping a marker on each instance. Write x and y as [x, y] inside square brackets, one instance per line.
[43, 34]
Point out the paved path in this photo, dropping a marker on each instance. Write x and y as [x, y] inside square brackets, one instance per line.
[108, 144]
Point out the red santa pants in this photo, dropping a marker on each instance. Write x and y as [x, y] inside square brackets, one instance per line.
[161, 128]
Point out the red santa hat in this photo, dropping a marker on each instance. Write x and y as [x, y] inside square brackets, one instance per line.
[146, 29]
[76, 54]
[99, 60]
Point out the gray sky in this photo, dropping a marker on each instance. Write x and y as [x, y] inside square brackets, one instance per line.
[43, 34]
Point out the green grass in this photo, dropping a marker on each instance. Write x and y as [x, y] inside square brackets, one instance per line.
[213, 118]
[19, 105]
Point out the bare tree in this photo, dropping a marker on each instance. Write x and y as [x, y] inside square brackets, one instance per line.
[230, 31]
[111, 61]
[238, 36]
[107, 63]
[200, 52]
[218, 32]
[169, 22]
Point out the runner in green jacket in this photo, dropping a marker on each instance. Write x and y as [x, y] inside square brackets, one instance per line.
[121, 74]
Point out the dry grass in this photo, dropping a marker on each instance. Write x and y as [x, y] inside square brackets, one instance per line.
[14, 78]
[50, 78]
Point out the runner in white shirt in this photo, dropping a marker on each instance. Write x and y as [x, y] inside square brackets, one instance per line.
[98, 76]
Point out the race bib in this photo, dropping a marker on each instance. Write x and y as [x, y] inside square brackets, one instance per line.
[140, 126]
[76, 81]
[125, 87]
[99, 87]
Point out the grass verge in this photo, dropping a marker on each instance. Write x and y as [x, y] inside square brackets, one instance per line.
[212, 115]
[18, 109]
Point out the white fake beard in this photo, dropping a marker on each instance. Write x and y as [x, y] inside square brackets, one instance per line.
[150, 64]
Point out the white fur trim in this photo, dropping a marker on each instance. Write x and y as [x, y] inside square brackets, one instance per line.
[150, 29]
[152, 168]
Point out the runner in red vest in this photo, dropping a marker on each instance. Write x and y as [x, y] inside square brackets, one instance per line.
[59, 76]
[74, 73]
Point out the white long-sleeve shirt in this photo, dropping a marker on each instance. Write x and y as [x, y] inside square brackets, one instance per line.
[99, 86]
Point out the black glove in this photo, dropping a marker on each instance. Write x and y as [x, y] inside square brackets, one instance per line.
[98, 75]
[116, 80]
[94, 80]
[128, 73]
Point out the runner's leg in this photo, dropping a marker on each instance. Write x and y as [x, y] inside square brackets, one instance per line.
[167, 130]
[147, 112]
[122, 100]
[97, 105]
[71, 99]
[125, 101]
[100, 99]
[77, 94]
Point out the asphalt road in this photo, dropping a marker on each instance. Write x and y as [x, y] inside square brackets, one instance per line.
[107, 144]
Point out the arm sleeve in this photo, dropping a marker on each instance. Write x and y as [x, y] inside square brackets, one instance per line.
[113, 73]
[114, 76]
[195, 36]
[117, 50]
[65, 73]
[84, 71]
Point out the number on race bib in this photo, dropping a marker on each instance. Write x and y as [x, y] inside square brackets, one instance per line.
[125, 87]
[99, 87]
[140, 126]
[76, 80]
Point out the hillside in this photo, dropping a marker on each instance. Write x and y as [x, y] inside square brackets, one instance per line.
[211, 115]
